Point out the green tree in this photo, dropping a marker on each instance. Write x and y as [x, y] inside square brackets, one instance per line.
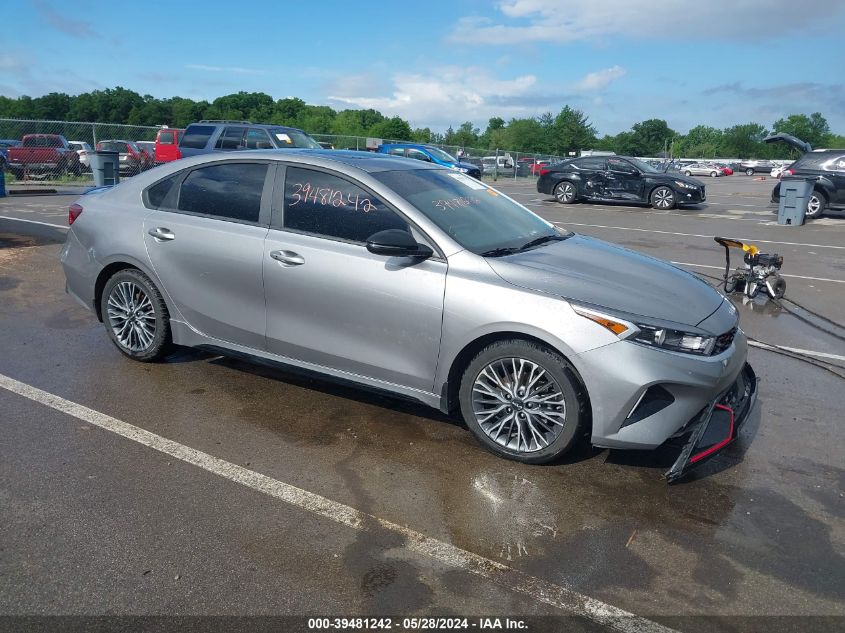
[394, 129]
[744, 140]
[649, 137]
[571, 131]
[814, 128]
[701, 141]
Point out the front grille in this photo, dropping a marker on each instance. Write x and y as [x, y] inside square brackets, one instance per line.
[724, 341]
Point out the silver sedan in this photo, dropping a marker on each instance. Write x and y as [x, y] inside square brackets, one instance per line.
[701, 169]
[418, 281]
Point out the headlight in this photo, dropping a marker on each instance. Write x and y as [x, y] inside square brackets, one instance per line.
[674, 340]
[650, 335]
[461, 169]
[685, 185]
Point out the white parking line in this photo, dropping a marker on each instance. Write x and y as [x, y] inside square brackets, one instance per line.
[55, 226]
[742, 239]
[539, 590]
[796, 350]
[722, 268]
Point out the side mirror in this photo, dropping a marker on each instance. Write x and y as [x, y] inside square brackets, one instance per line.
[397, 243]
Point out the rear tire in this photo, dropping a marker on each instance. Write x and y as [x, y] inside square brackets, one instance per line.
[523, 401]
[749, 172]
[565, 192]
[136, 316]
[713, 174]
[816, 205]
[687, 173]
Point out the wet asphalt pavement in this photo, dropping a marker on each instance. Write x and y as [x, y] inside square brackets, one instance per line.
[93, 523]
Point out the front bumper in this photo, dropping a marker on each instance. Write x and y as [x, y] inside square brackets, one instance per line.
[690, 196]
[717, 425]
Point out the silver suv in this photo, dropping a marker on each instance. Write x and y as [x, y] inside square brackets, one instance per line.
[419, 281]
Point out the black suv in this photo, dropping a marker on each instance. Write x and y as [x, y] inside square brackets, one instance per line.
[618, 179]
[226, 136]
[827, 168]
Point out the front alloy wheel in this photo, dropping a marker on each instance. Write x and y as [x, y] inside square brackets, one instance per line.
[565, 192]
[663, 198]
[522, 401]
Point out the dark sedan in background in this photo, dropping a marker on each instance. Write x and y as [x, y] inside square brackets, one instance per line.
[618, 179]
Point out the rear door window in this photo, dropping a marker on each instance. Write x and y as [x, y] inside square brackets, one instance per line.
[590, 163]
[232, 138]
[196, 136]
[229, 191]
[330, 206]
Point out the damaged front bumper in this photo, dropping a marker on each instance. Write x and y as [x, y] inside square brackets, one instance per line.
[717, 425]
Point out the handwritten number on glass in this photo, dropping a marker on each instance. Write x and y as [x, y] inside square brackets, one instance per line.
[326, 196]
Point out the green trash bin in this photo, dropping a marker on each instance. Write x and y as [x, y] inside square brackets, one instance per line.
[794, 196]
[106, 168]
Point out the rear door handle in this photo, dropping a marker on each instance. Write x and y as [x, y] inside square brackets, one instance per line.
[287, 258]
[162, 234]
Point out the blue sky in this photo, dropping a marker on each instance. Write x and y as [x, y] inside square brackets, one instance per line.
[439, 63]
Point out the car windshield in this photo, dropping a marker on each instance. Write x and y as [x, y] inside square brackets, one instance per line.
[439, 154]
[479, 218]
[644, 166]
[293, 138]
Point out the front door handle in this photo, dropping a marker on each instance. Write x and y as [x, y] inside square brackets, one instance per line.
[287, 258]
[162, 234]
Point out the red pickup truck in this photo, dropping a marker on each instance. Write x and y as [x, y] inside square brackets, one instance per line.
[43, 154]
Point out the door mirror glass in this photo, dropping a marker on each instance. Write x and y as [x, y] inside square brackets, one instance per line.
[397, 243]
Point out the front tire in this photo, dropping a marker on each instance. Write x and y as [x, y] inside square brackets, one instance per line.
[688, 173]
[564, 192]
[136, 316]
[522, 401]
[713, 174]
[663, 198]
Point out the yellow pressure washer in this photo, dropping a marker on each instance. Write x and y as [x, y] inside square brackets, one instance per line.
[761, 271]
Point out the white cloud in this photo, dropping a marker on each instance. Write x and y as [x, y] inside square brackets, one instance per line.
[445, 96]
[233, 70]
[600, 79]
[564, 21]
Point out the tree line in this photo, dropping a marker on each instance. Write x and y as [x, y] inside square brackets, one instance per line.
[568, 131]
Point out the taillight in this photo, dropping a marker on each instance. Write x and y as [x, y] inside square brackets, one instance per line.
[131, 151]
[73, 212]
[543, 172]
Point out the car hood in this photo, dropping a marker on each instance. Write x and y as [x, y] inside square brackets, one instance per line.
[687, 179]
[469, 166]
[590, 271]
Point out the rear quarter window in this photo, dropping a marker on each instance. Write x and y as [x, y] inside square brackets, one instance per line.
[196, 136]
[156, 195]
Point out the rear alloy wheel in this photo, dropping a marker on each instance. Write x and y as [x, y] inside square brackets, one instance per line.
[565, 192]
[663, 198]
[522, 401]
[713, 174]
[135, 316]
[816, 205]
[688, 173]
[749, 172]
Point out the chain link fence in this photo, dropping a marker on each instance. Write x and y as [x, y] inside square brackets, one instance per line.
[48, 159]
[136, 145]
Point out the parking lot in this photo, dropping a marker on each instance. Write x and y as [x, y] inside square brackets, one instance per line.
[208, 485]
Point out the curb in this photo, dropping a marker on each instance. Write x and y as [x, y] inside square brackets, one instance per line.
[41, 230]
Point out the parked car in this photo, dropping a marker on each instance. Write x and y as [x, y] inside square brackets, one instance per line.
[5, 144]
[827, 168]
[726, 171]
[83, 149]
[148, 152]
[618, 178]
[429, 154]
[751, 167]
[503, 165]
[167, 145]
[43, 154]
[419, 281]
[131, 157]
[226, 136]
[702, 169]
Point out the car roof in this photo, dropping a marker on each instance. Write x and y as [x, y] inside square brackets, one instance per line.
[266, 126]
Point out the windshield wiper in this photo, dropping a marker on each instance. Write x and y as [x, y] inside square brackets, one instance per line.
[499, 252]
[542, 240]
